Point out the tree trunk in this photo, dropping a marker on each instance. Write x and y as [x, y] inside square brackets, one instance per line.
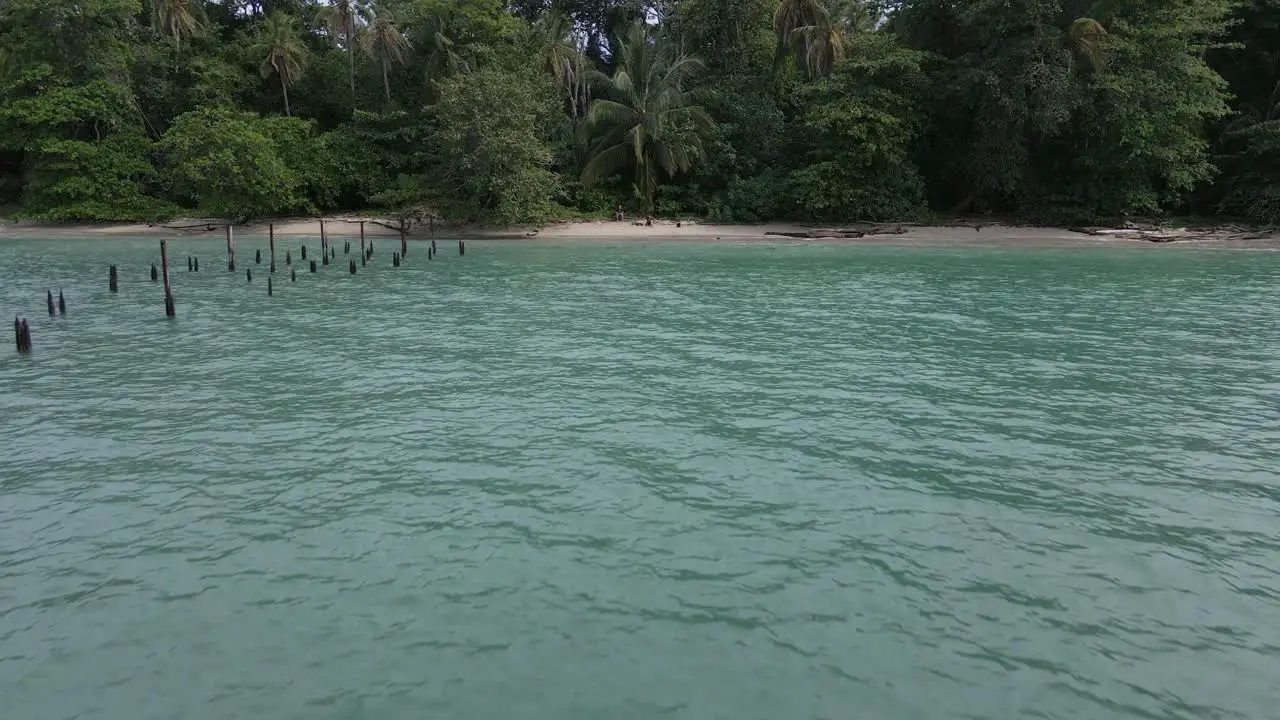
[284, 88]
[351, 62]
[386, 84]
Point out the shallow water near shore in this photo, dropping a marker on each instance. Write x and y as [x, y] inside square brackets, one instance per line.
[557, 481]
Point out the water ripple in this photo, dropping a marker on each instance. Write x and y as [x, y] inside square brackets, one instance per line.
[583, 481]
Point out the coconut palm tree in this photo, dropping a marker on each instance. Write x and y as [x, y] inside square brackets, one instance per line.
[444, 59]
[282, 53]
[340, 18]
[560, 57]
[177, 19]
[646, 119]
[384, 42]
[816, 31]
[1084, 39]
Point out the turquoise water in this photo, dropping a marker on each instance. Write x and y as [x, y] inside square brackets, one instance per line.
[630, 481]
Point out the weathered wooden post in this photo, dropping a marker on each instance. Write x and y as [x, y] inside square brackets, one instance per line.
[248, 275]
[404, 244]
[154, 275]
[190, 266]
[288, 258]
[324, 258]
[433, 246]
[169, 309]
[22, 334]
[313, 266]
[50, 300]
[333, 252]
[304, 252]
[271, 242]
[197, 263]
[113, 283]
[462, 248]
[361, 236]
[257, 256]
[231, 250]
[324, 239]
[395, 259]
[293, 275]
[268, 287]
[364, 260]
[62, 303]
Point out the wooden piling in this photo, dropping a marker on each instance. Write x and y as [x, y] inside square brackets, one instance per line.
[154, 275]
[62, 303]
[404, 244]
[190, 265]
[361, 236]
[313, 266]
[351, 265]
[49, 298]
[257, 256]
[324, 259]
[197, 263]
[304, 252]
[364, 260]
[462, 248]
[271, 240]
[22, 335]
[324, 240]
[268, 287]
[293, 275]
[288, 258]
[395, 259]
[248, 275]
[113, 283]
[169, 309]
[231, 250]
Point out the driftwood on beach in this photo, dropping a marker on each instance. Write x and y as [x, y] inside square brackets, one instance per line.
[853, 232]
[1157, 234]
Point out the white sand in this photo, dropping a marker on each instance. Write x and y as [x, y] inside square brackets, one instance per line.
[968, 235]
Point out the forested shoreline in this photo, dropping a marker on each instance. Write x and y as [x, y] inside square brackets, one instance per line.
[740, 111]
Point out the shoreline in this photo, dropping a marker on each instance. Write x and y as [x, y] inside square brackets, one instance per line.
[953, 235]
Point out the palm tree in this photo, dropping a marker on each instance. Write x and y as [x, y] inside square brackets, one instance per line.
[443, 60]
[559, 56]
[384, 42]
[648, 119]
[340, 18]
[282, 52]
[816, 31]
[177, 19]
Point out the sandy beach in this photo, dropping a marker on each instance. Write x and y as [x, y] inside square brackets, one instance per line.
[971, 234]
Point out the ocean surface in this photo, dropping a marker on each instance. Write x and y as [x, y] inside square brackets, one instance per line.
[590, 480]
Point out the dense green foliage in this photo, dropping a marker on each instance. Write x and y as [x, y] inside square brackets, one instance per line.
[734, 110]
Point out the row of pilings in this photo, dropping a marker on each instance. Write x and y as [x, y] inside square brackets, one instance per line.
[22, 326]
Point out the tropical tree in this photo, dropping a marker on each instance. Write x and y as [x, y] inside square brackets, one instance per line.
[560, 57]
[816, 32]
[444, 59]
[177, 19]
[647, 119]
[385, 43]
[282, 53]
[341, 18]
